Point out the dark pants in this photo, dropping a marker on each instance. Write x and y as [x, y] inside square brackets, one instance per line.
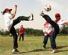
[21, 36]
[52, 40]
[19, 19]
[13, 31]
[15, 37]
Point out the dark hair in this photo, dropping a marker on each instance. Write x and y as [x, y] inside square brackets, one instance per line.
[6, 10]
[57, 15]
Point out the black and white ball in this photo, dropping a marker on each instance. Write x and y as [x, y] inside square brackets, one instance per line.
[47, 7]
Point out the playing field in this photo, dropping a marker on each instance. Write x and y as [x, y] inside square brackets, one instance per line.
[32, 45]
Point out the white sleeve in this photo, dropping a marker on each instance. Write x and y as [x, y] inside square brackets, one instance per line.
[10, 16]
[65, 21]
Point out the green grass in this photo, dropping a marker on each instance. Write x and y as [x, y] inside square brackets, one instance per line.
[32, 45]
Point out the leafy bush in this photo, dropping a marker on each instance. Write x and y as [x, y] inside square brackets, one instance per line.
[4, 33]
[35, 32]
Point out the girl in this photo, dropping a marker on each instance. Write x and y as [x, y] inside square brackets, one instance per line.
[10, 22]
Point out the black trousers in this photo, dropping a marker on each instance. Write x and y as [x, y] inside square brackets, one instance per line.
[52, 40]
[13, 31]
[21, 36]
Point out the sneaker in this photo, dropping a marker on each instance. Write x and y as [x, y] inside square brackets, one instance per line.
[44, 46]
[31, 17]
[53, 51]
[42, 14]
[15, 51]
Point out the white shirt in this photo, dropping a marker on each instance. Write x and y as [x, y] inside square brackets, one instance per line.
[8, 21]
[47, 29]
[61, 24]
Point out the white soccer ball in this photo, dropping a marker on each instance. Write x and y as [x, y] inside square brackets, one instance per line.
[47, 7]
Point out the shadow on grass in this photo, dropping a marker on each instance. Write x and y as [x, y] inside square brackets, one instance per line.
[60, 47]
[46, 49]
[62, 51]
[35, 50]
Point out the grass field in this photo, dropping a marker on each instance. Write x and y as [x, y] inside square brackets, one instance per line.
[32, 45]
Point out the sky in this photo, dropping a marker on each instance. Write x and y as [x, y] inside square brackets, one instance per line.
[26, 7]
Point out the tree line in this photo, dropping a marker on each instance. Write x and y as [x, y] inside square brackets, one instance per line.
[35, 32]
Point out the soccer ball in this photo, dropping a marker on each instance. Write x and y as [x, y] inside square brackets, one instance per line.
[47, 7]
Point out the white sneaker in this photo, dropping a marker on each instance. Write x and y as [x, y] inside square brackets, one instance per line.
[53, 51]
[31, 17]
[15, 51]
